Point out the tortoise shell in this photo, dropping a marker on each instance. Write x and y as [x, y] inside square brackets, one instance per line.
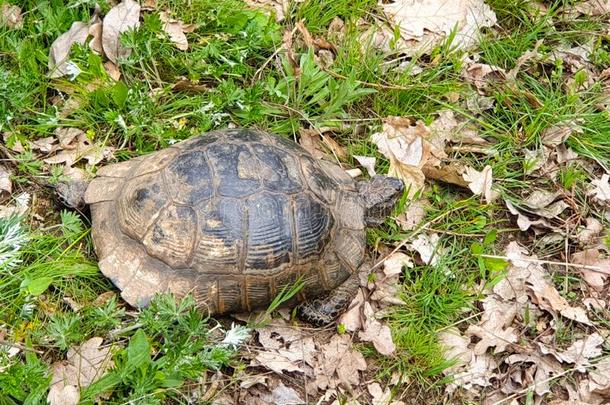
[231, 216]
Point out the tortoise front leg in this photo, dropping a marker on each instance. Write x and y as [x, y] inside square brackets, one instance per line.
[325, 310]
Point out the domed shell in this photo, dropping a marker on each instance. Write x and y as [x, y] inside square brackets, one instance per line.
[232, 216]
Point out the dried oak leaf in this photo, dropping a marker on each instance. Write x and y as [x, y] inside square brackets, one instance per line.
[539, 287]
[59, 64]
[593, 257]
[494, 328]
[601, 189]
[176, 30]
[404, 145]
[85, 364]
[283, 395]
[579, 352]
[480, 183]
[423, 23]
[10, 16]
[122, 17]
[376, 332]
[6, 186]
[286, 349]
[338, 364]
[368, 162]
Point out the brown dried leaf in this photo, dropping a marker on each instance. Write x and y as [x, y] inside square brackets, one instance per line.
[176, 29]
[149, 5]
[481, 74]
[423, 23]
[60, 48]
[494, 328]
[601, 189]
[45, 145]
[316, 142]
[76, 146]
[85, 364]
[95, 31]
[588, 234]
[122, 17]
[579, 352]
[455, 347]
[282, 395]
[546, 366]
[11, 16]
[112, 70]
[539, 287]
[558, 134]
[279, 7]
[590, 7]
[338, 364]
[480, 183]
[595, 258]
[413, 215]
[403, 144]
[6, 186]
[376, 332]
[368, 162]
[428, 247]
[352, 319]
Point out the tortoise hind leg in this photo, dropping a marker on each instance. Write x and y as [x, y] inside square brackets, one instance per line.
[323, 311]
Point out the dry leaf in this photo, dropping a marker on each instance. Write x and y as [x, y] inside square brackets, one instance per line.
[112, 70]
[477, 372]
[122, 17]
[10, 16]
[424, 23]
[481, 74]
[595, 258]
[316, 142]
[95, 31]
[590, 7]
[579, 352]
[494, 328]
[6, 186]
[455, 348]
[377, 333]
[75, 146]
[588, 234]
[149, 5]
[85, 364]
[20, 206]
[601, 190]
[413, 215]
[352, 318]
[558, 134]
[45, 145]
[282, 395]
[480, 183]
[523, 222]
[59, 64]
[538, 285]
[428, 248]
[546, 367]
[380, 396]
[338, 359]
[279, 7]
[176, 29]
[403, 144]
[368, 162]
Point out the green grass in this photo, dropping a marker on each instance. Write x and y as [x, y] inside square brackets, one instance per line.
[234, 77]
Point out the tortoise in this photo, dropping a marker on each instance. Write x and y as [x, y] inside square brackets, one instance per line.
[233, 217]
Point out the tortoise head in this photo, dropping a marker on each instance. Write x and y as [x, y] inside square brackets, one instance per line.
[380, 195]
